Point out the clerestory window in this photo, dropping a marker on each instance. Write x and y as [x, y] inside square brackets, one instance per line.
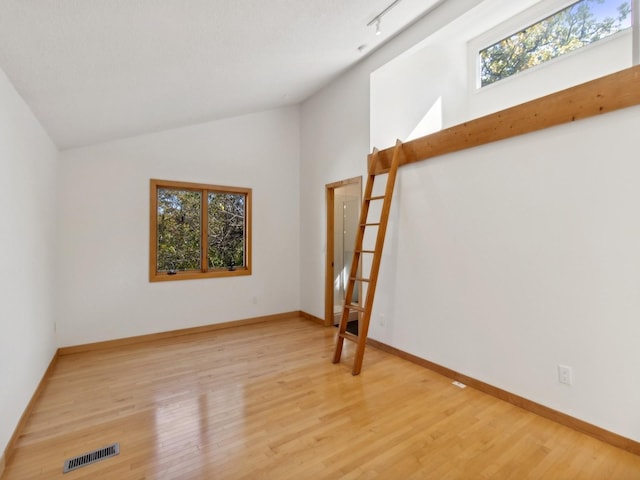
[578, 25]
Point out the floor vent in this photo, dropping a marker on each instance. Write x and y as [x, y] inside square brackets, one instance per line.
[91, 457]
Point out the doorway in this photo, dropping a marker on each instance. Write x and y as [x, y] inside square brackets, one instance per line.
[344, 200]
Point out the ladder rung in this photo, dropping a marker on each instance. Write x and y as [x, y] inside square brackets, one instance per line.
[350, 336]
[359, 279]
[377, 197]
[369, 224]
[354, 307]
[366, 251]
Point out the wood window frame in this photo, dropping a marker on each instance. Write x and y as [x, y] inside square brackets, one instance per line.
[205, 272]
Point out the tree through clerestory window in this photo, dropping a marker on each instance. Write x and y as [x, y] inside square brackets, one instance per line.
[569, 29]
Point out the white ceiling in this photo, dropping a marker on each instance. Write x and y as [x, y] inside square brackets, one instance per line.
[97, 70]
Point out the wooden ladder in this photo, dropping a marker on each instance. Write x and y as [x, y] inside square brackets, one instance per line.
[376, 253]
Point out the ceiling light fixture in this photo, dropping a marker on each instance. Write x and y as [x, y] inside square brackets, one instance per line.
[376, 20]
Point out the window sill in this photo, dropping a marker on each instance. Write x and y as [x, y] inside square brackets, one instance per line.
[165, 277]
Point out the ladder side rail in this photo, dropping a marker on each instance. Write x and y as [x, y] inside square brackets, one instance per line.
[377, 258]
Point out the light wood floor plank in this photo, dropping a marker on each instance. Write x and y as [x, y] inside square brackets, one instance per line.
[265, 401]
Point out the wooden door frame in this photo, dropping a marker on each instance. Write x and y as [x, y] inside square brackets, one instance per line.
[330, 253]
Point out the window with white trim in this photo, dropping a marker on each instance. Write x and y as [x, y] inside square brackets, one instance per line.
[575, 26]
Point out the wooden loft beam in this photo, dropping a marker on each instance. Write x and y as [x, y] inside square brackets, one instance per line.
[603, 95]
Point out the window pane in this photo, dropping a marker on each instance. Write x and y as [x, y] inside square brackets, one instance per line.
[178, 230]
[578, 25]
[226, 230]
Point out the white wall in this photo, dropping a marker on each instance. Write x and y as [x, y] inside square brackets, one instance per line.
[335, 142]
[501, 261]
[513, 258]
[334, 135]
[103, 289]
[28, 161]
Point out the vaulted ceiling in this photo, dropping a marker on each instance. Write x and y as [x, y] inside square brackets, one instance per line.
[97, 70]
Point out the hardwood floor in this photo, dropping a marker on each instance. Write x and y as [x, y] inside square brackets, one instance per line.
[265, 402]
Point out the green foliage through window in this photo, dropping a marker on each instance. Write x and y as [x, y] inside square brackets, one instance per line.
[180, 229]
[226, 230]
[576, 26]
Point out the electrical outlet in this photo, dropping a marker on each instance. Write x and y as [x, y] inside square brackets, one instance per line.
[381, 320]
[254, 300]
[565, 375]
